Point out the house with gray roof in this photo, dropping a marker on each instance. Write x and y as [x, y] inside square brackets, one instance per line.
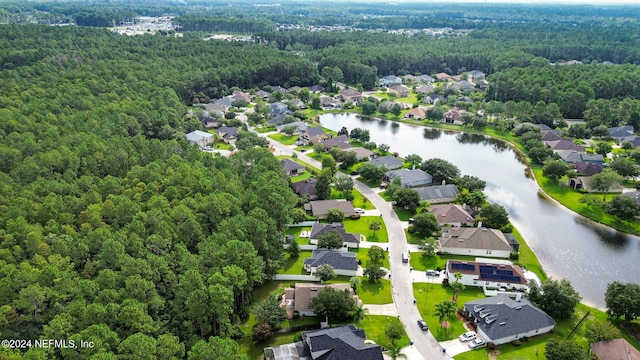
[263, 94]
[390, 80]
[341, 141]
[588, 168]
[410, 178]
[633, 139]
[320, 208]
[277, 119]
[291, 167]
[475, 75]
[425, 89]
[438, 193]
[389, 162]
[329, 103]
[313, 135]
[419, 79]
[435, 99]
[278, 108]
[338, 343]
[620, 132]
[574, 157]
[301, 127]
[564, 144]
[475, 241]
[343, 262]
[501, 319]
[199, 138]
[316, 89]
[228, 134]
[464, 85]
[349, 240]
[306, 187]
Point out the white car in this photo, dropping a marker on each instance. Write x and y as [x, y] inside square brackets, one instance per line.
[477, 343]
[359, 210]
[468, 336]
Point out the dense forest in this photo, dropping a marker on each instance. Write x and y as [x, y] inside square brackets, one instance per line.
[114, 230]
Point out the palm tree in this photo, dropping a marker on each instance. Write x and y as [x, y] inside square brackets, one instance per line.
[359, 312]
[374, 226]
[395, 352]
[457, 286]
[445, 310]
[355, 283]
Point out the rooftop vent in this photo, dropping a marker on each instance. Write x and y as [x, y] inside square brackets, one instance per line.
[519, 307]
[489, 320]
[484, 314]
[314, 289]
[478, 308]
[503, 323]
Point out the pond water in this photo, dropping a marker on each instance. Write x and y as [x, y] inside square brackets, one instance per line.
[568, 245]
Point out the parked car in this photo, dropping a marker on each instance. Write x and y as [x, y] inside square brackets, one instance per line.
[354, 173]
[477, 343]
[359, 210]
[468, 336]
[303, 150]
[432, 273]
[423, 325]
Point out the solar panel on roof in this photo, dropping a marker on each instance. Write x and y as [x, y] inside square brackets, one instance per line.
[461, 266]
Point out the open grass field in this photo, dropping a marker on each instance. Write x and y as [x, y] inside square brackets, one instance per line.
[375, 293]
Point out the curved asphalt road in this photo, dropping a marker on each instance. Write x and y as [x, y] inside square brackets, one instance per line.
[425, 345]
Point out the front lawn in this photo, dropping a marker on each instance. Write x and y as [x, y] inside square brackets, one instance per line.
[375, 293]
[361, 226]
[362, 254]
[304, 176]
[284, 139]
[420, 261]
[374, 325]
[359, 201]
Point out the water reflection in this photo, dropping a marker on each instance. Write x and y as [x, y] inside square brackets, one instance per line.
[431, 133]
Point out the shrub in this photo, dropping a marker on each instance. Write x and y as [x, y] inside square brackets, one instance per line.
[296, 315]
[514, 256]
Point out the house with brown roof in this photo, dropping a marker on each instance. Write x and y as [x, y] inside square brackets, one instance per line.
[320, 208]
[228, 134]
[475, 241]
[616, 349]
[299, 297]
[564, 144]
[453, 116]
[399, 91]
[588, 168]
[329, 103]
[361, 153]
[452, 215]
[444, 77]
[464, 85]
[417, 113]
[424, 89]
[501, 274]
[350, 95]
[341, 141]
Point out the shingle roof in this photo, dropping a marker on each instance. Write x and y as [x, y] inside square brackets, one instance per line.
[511, 317]
[341, 343]
[339, 260]
[451, 213]
[314, 131]
[390, 162]
[321, 207]
[290, 165]
[564, 144]
[437, 192]
[409, 177]
[341, 141]
[305, 187]
[475, 238]
[198, 135]
[319, 229]
[620, 131]
[616, 349]
[304, 292]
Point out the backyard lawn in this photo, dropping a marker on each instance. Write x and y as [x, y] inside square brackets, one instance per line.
[361, 226]
[304, 176]
[295, 266]
[295, 231]
[375, 293]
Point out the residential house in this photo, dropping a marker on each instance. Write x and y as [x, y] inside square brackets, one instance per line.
[564, 144]
[417, 113]
[633, 194]
[291, 167]
[216, 109]
[574, 157]
[278, 108]
[464, 85]
[633, 139]
[341, 141]
[616, 349]
[199, 138]
[261, 94]
[299, 297]
[277, 119]
[475, 241]
[241, 96]
[389, 81]
[582, 182]
[210, 122]
[315, 89]
[313, 135]
[342, 262]
[349, 240]
[453, 116]
[399, 91]
[501, 319]
[476, 75]
[329, 103]
[350, 95]
[438, 193]
[443, 77]
[279, 88]
[298, 103]
[620, 132]
[488, 275]
[224, 101]
[588, 168]
[389, 162]
[320, 208]
[550, 135]
[228, 134]
[306, 187]
[295, 89]
[361, 153]
[425, 89]
[482, 84]
[338, 343]
[301, 127]
[419, 79]
[451, 215]
[410, 178]
[435, 99]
